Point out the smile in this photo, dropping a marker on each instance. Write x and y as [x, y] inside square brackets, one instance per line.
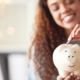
[72, 66]
[69, 18]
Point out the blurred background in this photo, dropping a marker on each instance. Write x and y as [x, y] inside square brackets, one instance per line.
[16, 21]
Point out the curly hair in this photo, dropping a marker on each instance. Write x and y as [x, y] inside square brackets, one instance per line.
[48, 35]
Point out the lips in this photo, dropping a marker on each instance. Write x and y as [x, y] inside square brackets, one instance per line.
[68, 18]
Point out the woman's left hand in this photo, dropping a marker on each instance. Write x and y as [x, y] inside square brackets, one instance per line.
[75, 34]
[69, 77]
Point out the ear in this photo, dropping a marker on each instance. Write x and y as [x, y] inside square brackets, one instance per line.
[60, 48]
[76, 46]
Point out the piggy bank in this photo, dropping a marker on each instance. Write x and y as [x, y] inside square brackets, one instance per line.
[66, 58]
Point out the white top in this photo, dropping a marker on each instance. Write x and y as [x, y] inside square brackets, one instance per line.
[32, 75]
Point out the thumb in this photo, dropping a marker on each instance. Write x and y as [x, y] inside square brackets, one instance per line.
[59, 78]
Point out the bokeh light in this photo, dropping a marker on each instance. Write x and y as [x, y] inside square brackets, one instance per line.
[10, 30]
[7, 1]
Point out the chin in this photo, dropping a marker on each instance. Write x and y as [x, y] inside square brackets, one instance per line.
[70, 26]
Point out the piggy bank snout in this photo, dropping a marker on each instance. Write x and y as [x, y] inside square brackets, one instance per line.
[71, 58]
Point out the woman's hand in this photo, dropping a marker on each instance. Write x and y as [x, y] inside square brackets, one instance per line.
[69, 77]
[75, 34]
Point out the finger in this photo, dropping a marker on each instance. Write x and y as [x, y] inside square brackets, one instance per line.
[77, 78]
[69, 38]
[59, 78]
[75, 39]
[71, 74]
[77, 31]
[73, 32]
[68, 78]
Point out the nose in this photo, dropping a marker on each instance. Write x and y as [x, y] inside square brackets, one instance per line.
[64, 9]
[71, 59]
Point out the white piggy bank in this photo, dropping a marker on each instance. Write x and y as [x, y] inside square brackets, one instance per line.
[66, 58]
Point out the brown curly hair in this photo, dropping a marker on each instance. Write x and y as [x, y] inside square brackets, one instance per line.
[48, 35]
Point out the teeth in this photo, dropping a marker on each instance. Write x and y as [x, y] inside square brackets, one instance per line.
[68, 17]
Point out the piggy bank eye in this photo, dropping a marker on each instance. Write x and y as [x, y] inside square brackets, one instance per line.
[65, 51]
[74, 51]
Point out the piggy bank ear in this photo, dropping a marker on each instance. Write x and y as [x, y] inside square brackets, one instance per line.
[76, 46]
[60, 48]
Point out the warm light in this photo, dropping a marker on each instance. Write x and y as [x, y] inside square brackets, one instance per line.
[1, 1]
[2, 6]
[1, 34]
[10, 30]
[2, 9]
[7, 1]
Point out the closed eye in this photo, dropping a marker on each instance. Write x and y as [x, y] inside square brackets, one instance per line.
[69, 1]
[55, 8]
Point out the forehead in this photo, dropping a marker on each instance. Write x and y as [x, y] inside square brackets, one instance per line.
[54, 1]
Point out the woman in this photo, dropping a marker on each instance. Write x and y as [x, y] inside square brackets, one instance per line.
[56, 21]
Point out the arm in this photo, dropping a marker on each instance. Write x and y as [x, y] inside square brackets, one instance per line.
[31, 68]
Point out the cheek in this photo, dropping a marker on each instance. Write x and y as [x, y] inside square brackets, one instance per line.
[76, 8]
[56, 17]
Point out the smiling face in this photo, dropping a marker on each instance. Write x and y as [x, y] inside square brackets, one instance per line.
[66, 13]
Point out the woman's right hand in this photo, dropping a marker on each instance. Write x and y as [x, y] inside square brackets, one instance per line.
[69, 77]
[75, 34]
